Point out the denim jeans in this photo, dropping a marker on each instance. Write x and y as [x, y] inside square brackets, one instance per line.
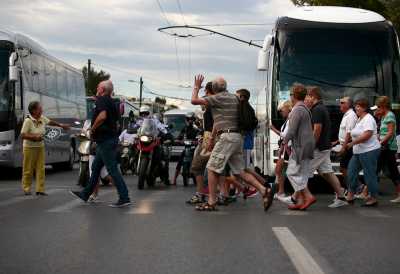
[367, 162]
[106, 155]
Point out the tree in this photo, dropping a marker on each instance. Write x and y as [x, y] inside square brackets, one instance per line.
[95, 77]
[388, 8]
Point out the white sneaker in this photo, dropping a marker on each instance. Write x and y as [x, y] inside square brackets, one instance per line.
[396, 201]
[93, 199]
[338, 203]
[278, 196]
[287, 200]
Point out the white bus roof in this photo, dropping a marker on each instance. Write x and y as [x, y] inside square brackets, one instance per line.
[176, 112]
[328, 14]
[21, 40]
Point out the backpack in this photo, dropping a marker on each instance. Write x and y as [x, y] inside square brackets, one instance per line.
[247, 117]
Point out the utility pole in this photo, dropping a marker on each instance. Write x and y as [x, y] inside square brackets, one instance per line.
[88, 76]
[141, 90]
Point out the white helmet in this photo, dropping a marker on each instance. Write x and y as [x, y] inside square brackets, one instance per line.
[144, 109]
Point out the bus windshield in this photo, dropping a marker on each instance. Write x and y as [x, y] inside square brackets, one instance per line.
[355, 62]
[4, 91]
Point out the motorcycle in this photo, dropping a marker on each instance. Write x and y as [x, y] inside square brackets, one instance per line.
[190, 147]
[128, 160]
[84, 153]
[150, 164]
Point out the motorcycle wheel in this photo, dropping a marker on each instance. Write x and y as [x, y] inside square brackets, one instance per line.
[142, 172]
[83, 173]
[124, 165]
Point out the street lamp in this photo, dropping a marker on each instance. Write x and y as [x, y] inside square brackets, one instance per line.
[141, 90]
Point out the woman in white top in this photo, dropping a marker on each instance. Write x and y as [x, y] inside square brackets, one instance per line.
[366, 149]
[284, 109]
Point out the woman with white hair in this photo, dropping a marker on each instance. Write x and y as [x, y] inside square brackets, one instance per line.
[284, 108]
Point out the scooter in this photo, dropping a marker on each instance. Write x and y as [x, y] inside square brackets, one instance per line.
[84, 152]
[128, 159]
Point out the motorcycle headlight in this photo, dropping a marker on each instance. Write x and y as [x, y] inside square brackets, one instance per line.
[187, 143]
[145, 139]
[125, 150]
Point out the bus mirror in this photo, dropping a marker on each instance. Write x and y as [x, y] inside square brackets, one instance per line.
[13, 72]
[268, 41]
[13, 69]
[263, 60]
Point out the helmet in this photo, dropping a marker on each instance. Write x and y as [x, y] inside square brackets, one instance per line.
[144, 109]
[190, 116]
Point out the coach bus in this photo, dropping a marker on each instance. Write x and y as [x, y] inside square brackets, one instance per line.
[345, 51]
[29, 73]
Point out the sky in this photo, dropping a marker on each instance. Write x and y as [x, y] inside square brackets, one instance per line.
[121, 38]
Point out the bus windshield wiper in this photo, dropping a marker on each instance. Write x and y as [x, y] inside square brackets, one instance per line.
[324, 82]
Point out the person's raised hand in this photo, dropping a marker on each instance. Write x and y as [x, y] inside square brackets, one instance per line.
[198, 80]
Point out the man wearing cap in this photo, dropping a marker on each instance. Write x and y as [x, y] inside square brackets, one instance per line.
[346, 125]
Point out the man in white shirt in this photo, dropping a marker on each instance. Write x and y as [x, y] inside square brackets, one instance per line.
[128, 135]
[346, 125]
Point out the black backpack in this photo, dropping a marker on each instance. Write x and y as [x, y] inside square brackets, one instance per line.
[247, 117]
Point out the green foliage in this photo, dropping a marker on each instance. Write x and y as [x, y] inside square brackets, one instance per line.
[388, 8]
[95, 77]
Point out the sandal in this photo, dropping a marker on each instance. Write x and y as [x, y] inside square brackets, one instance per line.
[196, 199]
[267, 198]
[206, 207]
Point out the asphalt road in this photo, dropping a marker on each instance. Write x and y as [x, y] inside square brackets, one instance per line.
[161, 234]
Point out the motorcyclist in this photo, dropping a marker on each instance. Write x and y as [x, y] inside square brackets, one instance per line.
[128, 135]
[144, 113]
[189, 132]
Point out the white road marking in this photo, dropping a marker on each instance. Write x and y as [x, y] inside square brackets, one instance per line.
[372, 213]
[293, 213]
[67, 207]
[19, 199]
[301, 259]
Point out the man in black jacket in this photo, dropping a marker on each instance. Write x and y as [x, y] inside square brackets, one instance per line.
[104, 131]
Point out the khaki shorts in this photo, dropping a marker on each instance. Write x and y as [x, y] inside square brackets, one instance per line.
[199, 161]
[321, 162]
[227, 150]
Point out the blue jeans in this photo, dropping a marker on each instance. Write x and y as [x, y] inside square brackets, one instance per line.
[106, 155]
[367, 162]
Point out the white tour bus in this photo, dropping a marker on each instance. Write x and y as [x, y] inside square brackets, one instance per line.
[28, 73]
[344, 51]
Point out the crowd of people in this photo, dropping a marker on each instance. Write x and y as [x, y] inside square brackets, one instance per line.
[221, 162]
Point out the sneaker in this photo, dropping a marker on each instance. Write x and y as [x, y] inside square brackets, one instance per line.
[196, 199]
[78, 194]
[121, 203]
[27, 193]
[338, 203]
[251, 193]
[278, 196]
[287, 200]
[94, 199]
[41, 194]
[396, 201]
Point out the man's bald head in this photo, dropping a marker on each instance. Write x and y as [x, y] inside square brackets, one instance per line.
[219, 85]
[105, 88]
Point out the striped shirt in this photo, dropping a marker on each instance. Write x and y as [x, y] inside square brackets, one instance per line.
[225, 110]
